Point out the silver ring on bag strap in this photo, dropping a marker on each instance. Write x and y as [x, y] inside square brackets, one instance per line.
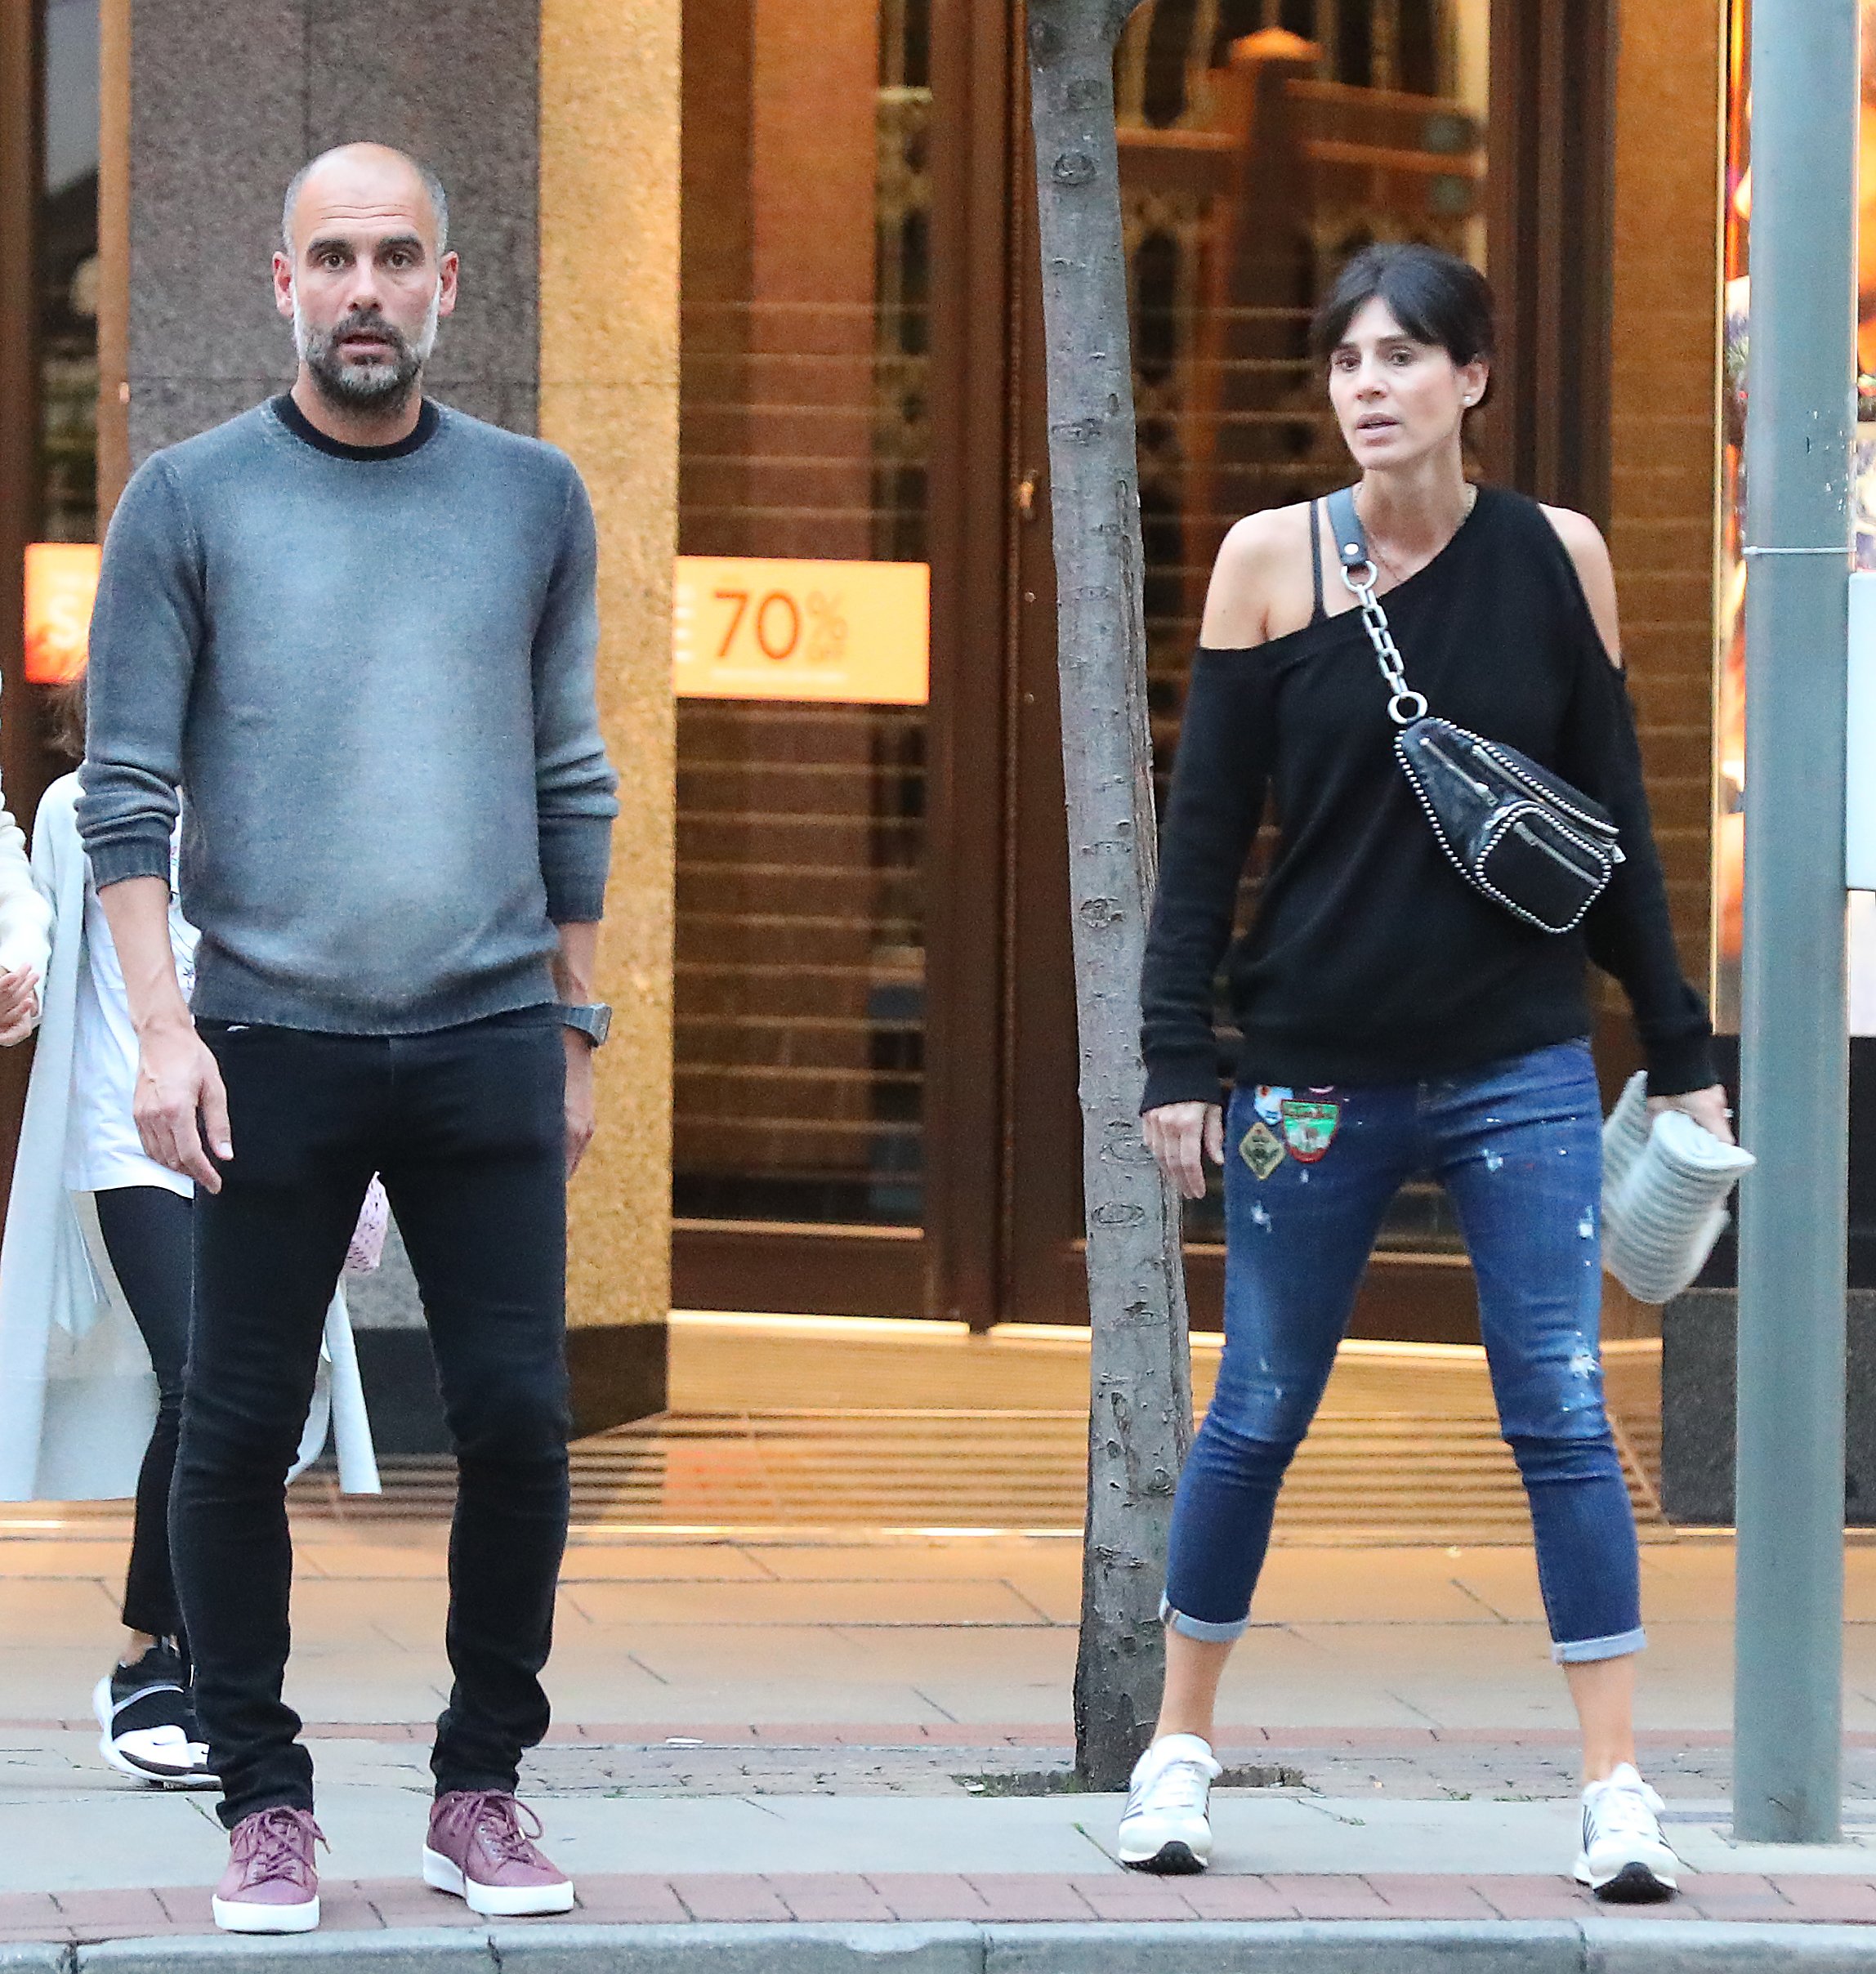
[1405, 706]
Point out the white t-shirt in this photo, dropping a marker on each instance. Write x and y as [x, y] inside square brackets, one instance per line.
[102, 1149]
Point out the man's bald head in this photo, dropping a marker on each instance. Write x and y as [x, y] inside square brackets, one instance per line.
[368, 173]
[365, 276]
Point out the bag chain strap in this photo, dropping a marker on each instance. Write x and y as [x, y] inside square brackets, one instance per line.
[1406, 705]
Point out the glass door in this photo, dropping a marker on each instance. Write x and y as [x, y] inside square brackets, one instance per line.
[821, 664]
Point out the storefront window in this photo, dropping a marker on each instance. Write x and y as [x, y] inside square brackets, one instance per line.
[1261, 142]
[801, 831]
[1729, 822]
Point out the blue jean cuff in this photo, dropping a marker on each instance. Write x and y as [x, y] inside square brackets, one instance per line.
[1586, 1651]
[1197, 1628]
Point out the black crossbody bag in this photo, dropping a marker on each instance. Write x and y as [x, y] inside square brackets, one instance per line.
[1518, 834]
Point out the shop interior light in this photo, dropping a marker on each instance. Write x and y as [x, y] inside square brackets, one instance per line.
[61, 582]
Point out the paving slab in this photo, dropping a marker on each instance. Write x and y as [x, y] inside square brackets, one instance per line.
[783, 1751]
[669, 1811]
[811, 1601]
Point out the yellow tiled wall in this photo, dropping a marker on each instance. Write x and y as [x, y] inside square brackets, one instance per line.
[608, 220]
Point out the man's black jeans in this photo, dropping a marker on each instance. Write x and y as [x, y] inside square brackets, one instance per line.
[466, 1125]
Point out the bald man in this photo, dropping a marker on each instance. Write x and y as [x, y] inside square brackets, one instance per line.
[356, 630]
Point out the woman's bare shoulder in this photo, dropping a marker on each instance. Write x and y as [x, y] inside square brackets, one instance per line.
[1583, 542]
[1262, 558]
[1577, 533]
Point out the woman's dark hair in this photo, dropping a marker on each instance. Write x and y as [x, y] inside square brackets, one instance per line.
[65, 718]
[1437, 297]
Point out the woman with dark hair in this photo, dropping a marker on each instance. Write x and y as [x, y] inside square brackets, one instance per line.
[1396, 1021]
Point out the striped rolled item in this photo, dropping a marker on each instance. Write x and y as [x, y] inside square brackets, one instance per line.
[1665, 1183]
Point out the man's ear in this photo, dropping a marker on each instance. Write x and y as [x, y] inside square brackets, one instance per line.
[283, 285]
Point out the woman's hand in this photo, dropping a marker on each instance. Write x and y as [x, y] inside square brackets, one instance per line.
[1707, 1108]
[1181, 1136]
[19, 1005]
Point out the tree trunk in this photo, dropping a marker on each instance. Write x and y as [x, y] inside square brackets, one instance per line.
[1141, 1415]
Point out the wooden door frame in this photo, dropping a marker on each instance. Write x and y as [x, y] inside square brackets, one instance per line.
[947, 1268]
[1550, 247]
[21, 140]
[1044, 1277]
[22, 48]
[966, 783]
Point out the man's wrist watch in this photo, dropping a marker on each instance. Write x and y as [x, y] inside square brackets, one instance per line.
[594, 1020]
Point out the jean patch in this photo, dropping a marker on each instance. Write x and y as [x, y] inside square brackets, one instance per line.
[1262, 1149]
[1310, 1125]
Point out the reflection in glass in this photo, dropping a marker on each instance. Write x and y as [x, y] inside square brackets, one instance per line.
[68, 276]
[1728, 802]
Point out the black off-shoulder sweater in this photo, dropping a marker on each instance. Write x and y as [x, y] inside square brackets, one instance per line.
[1370, 960]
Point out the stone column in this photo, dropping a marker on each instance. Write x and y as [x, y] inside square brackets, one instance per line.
[1663, 390]
[553, 125]
[610, 86]
[227, 103]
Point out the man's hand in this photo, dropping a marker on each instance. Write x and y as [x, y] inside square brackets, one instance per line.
[582, 1106]
[19, 1005]
[180, 1101]
[1707, 1108]
[1180, 1137]
[181, 1105]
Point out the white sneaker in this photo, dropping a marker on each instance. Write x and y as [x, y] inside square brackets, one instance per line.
[1624, 1858]
[1166, 1826]
[148, 1725]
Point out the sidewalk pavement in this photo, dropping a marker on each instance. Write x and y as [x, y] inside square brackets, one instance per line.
[823, 1752]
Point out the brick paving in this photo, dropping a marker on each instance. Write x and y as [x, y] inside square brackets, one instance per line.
[370, 1905]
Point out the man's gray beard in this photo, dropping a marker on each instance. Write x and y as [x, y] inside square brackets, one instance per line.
[364, 387]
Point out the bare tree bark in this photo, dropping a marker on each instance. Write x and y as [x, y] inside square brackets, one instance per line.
[1140, 1415]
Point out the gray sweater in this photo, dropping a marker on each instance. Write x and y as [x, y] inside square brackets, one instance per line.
[371, 674]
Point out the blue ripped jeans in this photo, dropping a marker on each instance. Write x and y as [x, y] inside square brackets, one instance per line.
[1518, 1146]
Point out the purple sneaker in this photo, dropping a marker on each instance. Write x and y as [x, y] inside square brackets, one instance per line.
[270, 1886]
[480, 1849]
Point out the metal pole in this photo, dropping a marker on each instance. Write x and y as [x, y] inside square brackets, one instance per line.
[1794, 1054]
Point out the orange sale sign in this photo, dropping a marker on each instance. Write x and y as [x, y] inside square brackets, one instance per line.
[762, 627]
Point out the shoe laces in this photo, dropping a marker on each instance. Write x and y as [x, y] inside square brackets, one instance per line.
[1625, 1807]
[279, 1842]
[497, 1817]
[1180, 1784]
